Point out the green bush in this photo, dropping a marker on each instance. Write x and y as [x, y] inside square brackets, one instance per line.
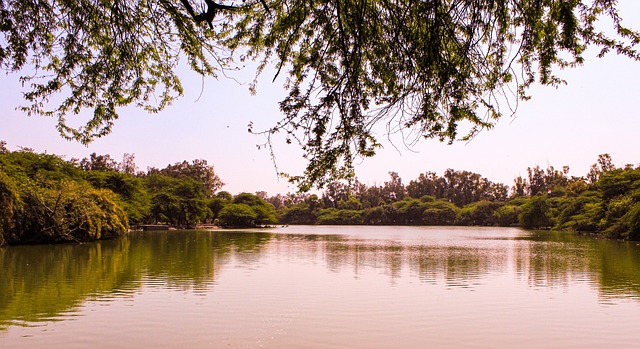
[336, 217]
[9, 204]
[66, 211]
[534, 213]
[237, 215]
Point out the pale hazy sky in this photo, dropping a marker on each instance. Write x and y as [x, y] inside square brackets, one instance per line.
[597, 112]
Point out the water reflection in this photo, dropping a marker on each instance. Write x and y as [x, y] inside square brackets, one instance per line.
[44, 283]
[541, 258]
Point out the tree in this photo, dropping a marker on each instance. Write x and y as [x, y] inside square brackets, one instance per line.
[537, 183]
[237, 215]
[128, 164]
[535, 213]
[9, 204]
[603, 165]
[447, 63]
[393, 190]
[181, 201]
[97, 162]
[520, 187]
[264, 212]
[464, 187]
[131, 191]
[304, 212]
[247, 210]
[198, 170]
[3, 147]
[44, 199]
[428, 183]
[334, 193]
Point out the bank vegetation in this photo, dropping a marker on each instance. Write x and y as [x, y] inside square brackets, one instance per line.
[47, 199]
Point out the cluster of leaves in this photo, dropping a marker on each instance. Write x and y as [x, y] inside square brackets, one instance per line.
[101, 56]
[605, 202]
[246, 210]
[45, 199]
[433, 69]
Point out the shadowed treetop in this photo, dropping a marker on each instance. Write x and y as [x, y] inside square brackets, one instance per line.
[441, 69]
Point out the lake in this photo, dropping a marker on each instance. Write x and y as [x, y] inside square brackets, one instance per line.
[324, 287]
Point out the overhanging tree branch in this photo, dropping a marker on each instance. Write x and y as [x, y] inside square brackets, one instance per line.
[210, 14]
[422, 67]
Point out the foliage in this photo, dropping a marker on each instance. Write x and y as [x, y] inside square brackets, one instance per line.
[629, 224]
[247, 210]
[580, 213]
[440, 213]
[606, 207]
[604, 164]
[183, 193]
[100, 56]
[506, 215]
[44, 198]
[380, 215]
[66, 211]
[621, 197]
[237, 215]
[25, 164]
[535, 213]
[619, 182]
[479, 213]
[335, 216]
[180, 202]
[305, 212]
[10, 204]
[299, 214]
[409, 211]
[131, 192]
[97, 162]
[198, 170]
[448, 65]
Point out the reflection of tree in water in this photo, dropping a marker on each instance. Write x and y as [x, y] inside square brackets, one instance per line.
[546, 264]
[39, 283]
[558, 259]
[246, 247]
[457, 266]
[619, 266]
[544, 259]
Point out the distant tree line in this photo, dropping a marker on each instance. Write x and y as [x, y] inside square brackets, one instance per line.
[604, 202]
[44, 198]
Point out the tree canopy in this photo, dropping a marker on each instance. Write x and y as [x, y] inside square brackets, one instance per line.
[441, 69]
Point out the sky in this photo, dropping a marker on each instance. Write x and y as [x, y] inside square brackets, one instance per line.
[596, 113]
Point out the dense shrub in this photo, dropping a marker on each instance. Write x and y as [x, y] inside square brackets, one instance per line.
[337, 217]
[534, 213]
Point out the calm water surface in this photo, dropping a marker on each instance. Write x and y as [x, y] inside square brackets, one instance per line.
[324, 287]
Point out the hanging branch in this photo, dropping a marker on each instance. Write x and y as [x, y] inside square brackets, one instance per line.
[264, 3]
[212, 10]
[210, 14]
